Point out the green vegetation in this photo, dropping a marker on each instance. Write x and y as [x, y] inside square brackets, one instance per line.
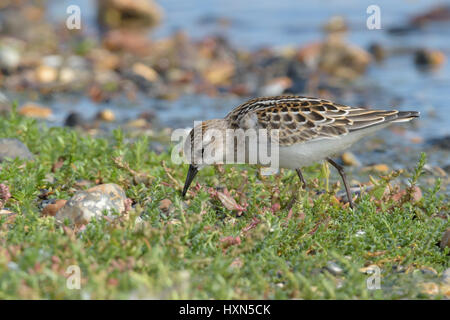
[191, 249]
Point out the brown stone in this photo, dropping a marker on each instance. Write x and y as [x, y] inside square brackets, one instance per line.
[35, 111]
[128, 13]
[430, 58]
[350, 159]
[106, 115]
[445, 242]
[220, 73]
[145, 72]
[382, 168]
[416, 194]
[52, 209]
[46, 74]
[165, 204]
[133, 42]
[429, 288]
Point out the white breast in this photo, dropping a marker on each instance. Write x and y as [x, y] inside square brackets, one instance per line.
[305, 154]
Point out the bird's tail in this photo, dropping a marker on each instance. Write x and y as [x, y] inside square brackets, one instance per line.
[405, 116]
[362, 119]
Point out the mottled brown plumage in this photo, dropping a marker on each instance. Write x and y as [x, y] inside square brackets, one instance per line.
[302, 119]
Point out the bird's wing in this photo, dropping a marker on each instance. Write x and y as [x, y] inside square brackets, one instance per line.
[303, 119]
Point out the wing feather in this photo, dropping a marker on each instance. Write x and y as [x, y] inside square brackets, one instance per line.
[302, 119]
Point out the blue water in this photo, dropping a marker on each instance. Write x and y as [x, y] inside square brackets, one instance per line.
[257, 23]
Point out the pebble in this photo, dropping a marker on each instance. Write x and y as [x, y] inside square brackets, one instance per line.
[398, 269]
[310, 54]
[13, 266]
[106, 115]
[360, 233]
[52, 208]
[349, 159]
[145, 72]
[137, 124]
[85, 205]
[333, 268]
[54, 61]
[445, 290]
[369, 269]
[164, 205]
[50, 178]
[377, 51]
[335, 24]
[139, 224]
[433, 289]
[428, 271]
[382, 168]
[67, 75]
[432, 58]
[429, 288]
[343, 61]
[125, 40]
[445, 242]
[416, 194]
[46, 74]
[220, 73]
[9, 57]
[446, 276]
[435, 14]
[129, 13]
[276, 86]
[5, 212]
[35, 111]
[77, 62]
[442, 142]
[104, 59]
[5, 104]
[435, 170]
[74, 119]
[13, 148]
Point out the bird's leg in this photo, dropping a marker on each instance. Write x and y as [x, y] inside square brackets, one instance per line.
[340, 169]
[300, 175]
[294, 196]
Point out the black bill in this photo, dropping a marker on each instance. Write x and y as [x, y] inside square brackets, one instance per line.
[190, 176]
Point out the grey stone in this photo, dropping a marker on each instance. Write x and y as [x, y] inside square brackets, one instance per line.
[441, 142]
[446, 276]
[92, 203]
[333, 268]
[5, 104]
[13, 148]
[74, 119]
[445, 242]
[9, 57]
[428, 272]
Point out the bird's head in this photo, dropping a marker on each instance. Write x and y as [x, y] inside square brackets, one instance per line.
[205, 145]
